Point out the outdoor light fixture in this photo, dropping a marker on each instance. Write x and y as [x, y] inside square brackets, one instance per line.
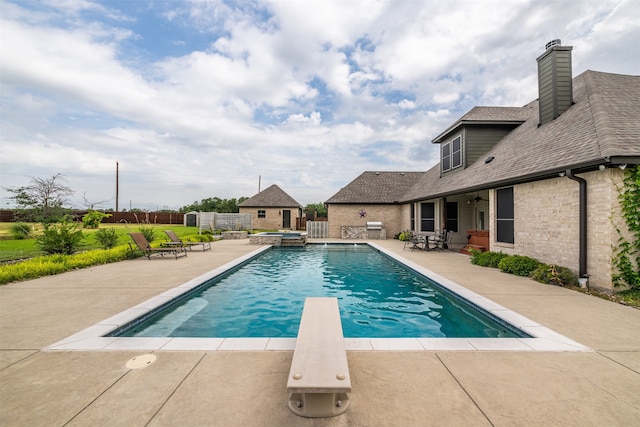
[601, 167]
[562, 174]
[622, 167]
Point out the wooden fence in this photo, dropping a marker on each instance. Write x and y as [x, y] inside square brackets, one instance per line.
[301, 223]
[116, 217]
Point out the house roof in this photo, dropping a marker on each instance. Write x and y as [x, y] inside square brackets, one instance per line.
[377, 187]
[602, 126]
[272, 197]
[487, 115]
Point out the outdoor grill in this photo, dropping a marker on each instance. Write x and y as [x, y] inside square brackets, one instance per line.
[374, 225]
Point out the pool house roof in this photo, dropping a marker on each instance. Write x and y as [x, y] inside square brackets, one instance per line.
[271, 197]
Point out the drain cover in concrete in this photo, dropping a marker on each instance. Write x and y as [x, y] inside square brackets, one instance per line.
[140, 362]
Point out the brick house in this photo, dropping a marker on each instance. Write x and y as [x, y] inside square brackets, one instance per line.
[539, 180]
[272, 209]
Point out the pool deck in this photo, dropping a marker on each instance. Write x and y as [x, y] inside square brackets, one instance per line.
[41, 387]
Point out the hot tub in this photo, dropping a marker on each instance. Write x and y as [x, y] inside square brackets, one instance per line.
[279, 238]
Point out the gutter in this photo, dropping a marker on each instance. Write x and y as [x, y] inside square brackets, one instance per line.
[583, 222]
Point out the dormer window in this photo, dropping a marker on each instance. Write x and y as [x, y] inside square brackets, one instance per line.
[452, 154]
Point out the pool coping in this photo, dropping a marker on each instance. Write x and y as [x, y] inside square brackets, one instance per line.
[93, 338]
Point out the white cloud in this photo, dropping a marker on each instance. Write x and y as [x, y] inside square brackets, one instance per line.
[314, 118]
[406, 104]
[304, 94]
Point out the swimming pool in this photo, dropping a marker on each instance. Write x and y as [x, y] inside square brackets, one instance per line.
[378, 297]
[99, 336]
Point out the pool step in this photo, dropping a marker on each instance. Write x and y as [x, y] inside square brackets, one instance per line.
[291, 241]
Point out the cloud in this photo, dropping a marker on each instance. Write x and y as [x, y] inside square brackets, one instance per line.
[303, 94]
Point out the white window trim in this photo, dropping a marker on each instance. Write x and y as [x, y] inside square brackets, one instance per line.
[450, 144]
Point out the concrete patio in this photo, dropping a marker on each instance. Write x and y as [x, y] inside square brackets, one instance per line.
[247, 388]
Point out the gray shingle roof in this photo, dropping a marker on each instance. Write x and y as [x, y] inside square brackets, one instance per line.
[478, 115]
[377, 187]
[272, 197]
[604, 122]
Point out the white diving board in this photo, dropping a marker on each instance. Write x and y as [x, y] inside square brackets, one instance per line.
[319, 380]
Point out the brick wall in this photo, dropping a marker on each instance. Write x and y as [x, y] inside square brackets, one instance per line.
[394, 218]
[547, 223]
[272, 219]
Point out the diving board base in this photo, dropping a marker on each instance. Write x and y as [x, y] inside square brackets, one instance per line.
[319, 405]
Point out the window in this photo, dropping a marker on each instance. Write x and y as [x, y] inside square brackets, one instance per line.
[452, 154]
[427, 217]
[413, 216]
[262, 213]
[504, 215]
[452, 217]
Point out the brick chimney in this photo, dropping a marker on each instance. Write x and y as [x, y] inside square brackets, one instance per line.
[555, 87]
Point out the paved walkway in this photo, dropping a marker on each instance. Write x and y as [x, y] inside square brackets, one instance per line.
[239, 388]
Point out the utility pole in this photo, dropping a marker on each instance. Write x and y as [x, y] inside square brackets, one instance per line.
[117, 185]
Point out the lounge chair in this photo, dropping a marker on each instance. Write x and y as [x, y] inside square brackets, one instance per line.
[175, 241]
[142, 244]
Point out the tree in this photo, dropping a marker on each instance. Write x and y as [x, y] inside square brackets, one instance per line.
[43, 199]
[90, 204]
[92, 219]
[319, 208]
[214, 204]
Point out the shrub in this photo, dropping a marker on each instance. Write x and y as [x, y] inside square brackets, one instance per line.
[107, 237]
[205, 237]
[20, 230]
[60, 238]
[55, 264]
[486, 259]
[519, 265]
[555, 275]
[405, 236]
[92, 219]
[148, 232]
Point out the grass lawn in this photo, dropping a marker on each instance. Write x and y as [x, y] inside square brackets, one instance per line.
[11, 249]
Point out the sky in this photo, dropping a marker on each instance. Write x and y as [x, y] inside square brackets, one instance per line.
[199, 99]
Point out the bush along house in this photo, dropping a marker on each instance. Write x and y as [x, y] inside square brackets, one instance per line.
[543, 180]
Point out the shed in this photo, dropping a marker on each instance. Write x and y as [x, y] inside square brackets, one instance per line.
[192, 219]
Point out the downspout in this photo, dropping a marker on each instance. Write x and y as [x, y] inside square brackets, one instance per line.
[583, 222]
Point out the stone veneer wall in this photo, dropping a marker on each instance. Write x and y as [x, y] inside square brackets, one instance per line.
[234, 235]
[361, 232]
[391, 216]
[256, 239]
[547, 223]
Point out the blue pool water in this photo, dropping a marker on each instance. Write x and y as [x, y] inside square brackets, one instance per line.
[378, 298]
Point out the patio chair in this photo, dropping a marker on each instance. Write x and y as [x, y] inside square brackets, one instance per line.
[438, 240]
[142, 244]
[447, 241]
[409, 240]
[418, 242]
[175, 241]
